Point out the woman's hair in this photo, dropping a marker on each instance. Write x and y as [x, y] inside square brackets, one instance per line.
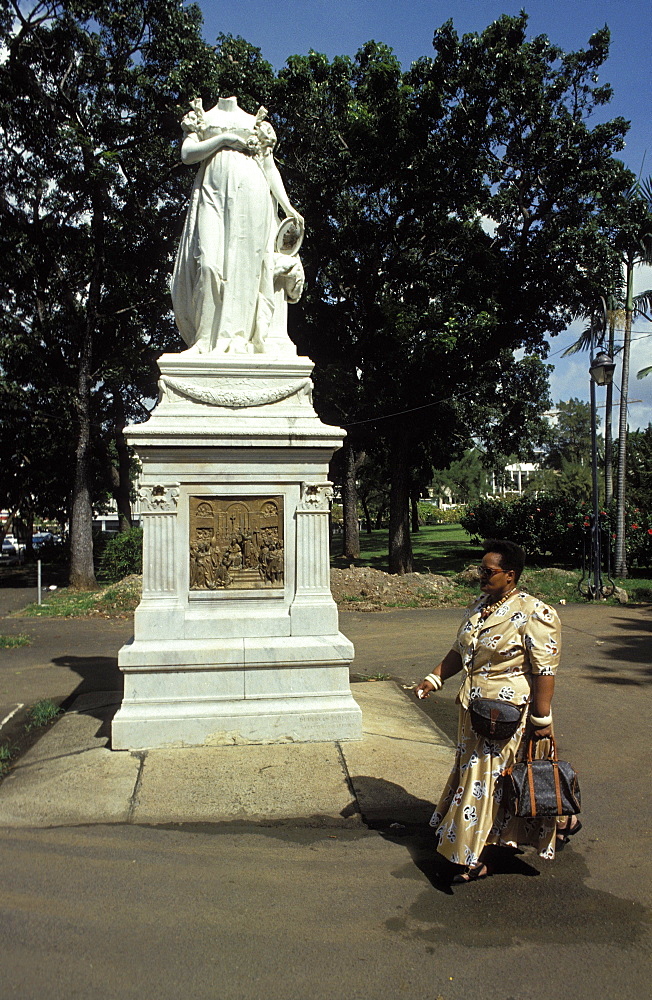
[512, 556]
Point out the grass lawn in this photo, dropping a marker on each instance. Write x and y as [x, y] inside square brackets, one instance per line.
[116, 600]
[446, 549]
[441, 548]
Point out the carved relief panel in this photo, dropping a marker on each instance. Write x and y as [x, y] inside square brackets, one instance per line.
[236, 543]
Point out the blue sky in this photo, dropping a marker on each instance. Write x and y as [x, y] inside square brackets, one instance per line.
[340, 27]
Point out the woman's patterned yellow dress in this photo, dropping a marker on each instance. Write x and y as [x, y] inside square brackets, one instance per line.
[499, 657]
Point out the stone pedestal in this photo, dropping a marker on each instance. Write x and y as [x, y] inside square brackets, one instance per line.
[236, 637]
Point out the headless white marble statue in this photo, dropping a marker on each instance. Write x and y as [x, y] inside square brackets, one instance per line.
[230, 287]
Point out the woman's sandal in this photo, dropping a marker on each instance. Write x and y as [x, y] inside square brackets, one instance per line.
[472, 875]
[564, 833]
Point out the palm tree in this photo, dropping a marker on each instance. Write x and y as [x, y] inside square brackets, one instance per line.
[634, 242]
[592, 339]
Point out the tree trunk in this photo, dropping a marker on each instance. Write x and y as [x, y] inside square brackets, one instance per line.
[608, 436]
[414, 507]
[620, 558]
[82, 572]
[367, 514]
[350, 520]
[122, 484]
[379, 517]
[28, 521]
[400, 542]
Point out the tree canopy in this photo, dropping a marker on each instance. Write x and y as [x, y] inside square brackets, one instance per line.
[89, 97]
[457, 212]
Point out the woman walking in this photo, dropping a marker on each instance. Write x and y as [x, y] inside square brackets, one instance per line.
[508, 648]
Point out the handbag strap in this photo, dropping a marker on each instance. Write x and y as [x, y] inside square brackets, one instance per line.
[552, 757]
[530, 781]
[555, 771]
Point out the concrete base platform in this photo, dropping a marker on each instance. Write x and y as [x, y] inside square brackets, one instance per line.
[393, 774]
[288, 689]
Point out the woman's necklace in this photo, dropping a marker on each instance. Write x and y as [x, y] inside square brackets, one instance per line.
[490, 608]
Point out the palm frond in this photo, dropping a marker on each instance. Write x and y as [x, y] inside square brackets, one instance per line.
[643, 304]
[590, 338]
[644, 371]
[646, 190]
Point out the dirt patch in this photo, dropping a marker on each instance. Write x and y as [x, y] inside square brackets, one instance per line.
[367, 589]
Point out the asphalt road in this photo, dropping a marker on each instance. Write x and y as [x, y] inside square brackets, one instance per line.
[247, 912]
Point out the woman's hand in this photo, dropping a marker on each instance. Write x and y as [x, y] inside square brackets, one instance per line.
[540, 734]
[423, 689]
[194, 150]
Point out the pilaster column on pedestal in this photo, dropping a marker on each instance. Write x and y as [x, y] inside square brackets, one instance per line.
[159, 509]
[313, 610]
[313, 562]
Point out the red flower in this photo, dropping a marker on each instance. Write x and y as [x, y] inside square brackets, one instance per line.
[570, 524]
[649, 531]
[635, 526]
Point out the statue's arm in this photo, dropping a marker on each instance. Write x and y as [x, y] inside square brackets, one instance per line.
[277, 187]
[193, 149]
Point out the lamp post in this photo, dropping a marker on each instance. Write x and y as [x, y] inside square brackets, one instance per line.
[602, 373]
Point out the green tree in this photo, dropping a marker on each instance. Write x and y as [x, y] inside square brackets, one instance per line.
[456, 215]
[570, 436]
[34, 455]
[90, 95]
[639, 468]
[465, 479]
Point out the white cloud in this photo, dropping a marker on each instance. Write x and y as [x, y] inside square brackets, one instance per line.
[571, 375]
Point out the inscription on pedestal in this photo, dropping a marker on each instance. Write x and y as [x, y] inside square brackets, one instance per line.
[236, 543]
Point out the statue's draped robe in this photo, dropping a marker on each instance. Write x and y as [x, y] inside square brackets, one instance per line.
[223, 281]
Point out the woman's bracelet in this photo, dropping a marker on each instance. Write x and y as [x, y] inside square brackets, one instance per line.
[436, 681]
[540, 721]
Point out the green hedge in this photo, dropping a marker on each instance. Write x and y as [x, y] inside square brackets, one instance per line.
[122, 556]
[431, 514]
[555, 525]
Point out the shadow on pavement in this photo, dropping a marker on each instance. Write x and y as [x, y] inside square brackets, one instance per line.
[25, 575]
[631, 656]
[419, 841]
[383, 802]
[98, 674]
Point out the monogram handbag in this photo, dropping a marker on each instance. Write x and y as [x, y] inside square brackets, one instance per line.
[546, 787]
[497, 720]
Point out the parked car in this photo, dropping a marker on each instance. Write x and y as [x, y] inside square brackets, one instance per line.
[12, 548]
[41, 537]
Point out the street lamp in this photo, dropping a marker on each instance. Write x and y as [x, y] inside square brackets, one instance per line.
[602, 369]
[602, 373]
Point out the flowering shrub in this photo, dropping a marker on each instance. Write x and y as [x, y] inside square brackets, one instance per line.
[549, 523]
[638, 534]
